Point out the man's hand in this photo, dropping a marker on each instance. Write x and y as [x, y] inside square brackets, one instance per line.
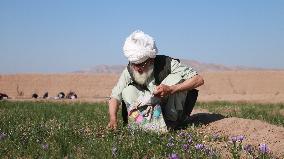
[113, 108]
[112, 124]
[163, 90]
[189, 84]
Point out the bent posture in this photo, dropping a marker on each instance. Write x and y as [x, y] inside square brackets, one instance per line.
[150, 75]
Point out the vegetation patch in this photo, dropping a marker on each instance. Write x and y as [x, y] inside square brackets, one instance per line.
[271, 113]
[78, 130]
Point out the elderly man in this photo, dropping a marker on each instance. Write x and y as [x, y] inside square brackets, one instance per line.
[159, 76]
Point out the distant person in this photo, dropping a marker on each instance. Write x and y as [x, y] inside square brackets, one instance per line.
[153, 85]
[45, 95]
[61, 95]
[34, 95]
[3, 96]
[71, 95]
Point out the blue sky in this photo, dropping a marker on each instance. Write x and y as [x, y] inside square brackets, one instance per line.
[63, 36]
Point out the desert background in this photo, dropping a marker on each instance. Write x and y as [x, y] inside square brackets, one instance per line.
[222, 83]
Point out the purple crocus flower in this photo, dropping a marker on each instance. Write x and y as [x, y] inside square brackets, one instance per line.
[263, 148]
[170, 144]
[173, 156]
[208, 151]
[240, 138]
[189, 140]
[215, 137]
[3, 136]
[182, 134]
[234, 139]
[199, 146]
[44, 146]
[248, 148]
[189, 135]
[185, 147]
[171, 139]
[114, 151]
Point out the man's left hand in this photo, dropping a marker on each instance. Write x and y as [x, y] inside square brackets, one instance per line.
[163, 91]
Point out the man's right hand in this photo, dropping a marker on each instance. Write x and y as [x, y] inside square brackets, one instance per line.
[112, 124]
[113, 108]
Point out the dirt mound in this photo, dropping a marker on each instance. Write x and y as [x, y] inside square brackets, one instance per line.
[255, 131]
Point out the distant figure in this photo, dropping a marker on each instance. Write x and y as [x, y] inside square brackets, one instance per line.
[45, 95]
[34, 95]
[153, 83]
[61, 95]
[71, 95]
[3, 96]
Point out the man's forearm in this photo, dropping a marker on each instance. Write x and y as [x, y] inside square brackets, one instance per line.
[113, 108]
[188, 84]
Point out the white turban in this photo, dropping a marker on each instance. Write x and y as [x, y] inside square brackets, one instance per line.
[138, 47]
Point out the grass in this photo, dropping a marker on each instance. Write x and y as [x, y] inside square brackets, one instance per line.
[270, 113]
[77, 130]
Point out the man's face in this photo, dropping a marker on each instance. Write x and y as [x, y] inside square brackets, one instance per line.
[142, 67]
[143, 71]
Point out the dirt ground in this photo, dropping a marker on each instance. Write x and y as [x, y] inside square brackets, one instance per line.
[248, 86]
[255, 131]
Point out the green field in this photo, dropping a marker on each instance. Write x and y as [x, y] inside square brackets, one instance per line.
[78, 130]
[271, 113]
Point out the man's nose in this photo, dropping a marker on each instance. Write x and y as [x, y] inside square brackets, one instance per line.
[140, 70]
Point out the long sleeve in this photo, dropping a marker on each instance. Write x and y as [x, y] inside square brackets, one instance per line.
[122, 83]
[179, 73]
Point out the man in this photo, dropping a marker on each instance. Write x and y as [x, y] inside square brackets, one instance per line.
[154, 75]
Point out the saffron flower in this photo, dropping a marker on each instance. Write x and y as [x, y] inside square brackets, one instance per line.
[263, 148]
[2, 136]
[170, 144]
[44, 146]
[248, 148]
[199, 146]
[114, 151]
[182, 134]
[171, 139]
[185, 147]
[209, 152]
[234, 139]
[240, 138]
[215, 137]
[173, 156]
[189, 140]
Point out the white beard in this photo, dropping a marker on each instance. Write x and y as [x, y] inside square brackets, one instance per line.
[145, 77]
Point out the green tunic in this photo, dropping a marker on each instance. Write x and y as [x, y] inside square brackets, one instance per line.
[175, 102]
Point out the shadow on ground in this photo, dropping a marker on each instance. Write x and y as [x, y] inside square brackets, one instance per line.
[205, 118]
[196, 119]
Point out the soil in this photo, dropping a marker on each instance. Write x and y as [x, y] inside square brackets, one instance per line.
[254, 131]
